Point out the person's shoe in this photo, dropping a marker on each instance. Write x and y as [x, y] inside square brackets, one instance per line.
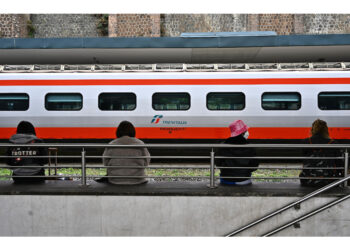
[101, 180]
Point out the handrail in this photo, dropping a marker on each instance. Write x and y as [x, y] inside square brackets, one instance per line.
[316, 211]
[306, 197]
[177, 157]
[178, 145]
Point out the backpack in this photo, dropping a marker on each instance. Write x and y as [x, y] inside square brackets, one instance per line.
[327, 167]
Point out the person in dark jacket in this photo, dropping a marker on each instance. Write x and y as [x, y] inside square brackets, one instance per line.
[26, 135]
[239, 135]
[320, 135]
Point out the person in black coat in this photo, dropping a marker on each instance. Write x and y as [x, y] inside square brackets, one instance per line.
[239, 135]
[23, 156]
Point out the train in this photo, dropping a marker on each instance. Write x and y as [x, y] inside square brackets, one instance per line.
[179, 106]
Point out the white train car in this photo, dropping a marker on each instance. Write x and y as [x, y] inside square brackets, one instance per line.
[180, 105]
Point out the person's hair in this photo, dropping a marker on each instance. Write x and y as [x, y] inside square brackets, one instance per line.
[25, 127]
[125, 128]
[320, 127]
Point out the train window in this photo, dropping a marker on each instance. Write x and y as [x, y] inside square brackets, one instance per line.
[117, 101]
[281, 101]
[64, 101]
[334, 100]
[226, 101]
[171, 101]
[14, 102]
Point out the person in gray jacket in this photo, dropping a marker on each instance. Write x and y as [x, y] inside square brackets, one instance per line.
[126, 136]
[24, 156]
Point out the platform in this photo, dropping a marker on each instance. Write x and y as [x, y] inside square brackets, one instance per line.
[238, 49]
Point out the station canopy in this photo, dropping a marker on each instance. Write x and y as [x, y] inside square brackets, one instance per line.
[220, 47]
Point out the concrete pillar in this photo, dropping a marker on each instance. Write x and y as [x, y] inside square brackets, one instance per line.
[134, 25]
[299, 26]
[253, 22]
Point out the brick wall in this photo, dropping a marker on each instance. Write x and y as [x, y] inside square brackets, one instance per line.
[13, 25]
[65, 25]
[282, 24]
[134, 25]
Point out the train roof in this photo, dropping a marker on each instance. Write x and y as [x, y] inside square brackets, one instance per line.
[197, 48]
[174, 67]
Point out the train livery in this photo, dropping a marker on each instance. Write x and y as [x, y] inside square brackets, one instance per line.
[176, 105]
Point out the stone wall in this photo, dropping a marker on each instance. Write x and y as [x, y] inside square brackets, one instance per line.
[13, 25]
[65, 25]
[282, 24]
[167, 25]
[175, 24]
[326, 23]
[134, 25]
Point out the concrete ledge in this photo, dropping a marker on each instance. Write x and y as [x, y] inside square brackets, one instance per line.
[96, 215]
[63, 208]
[174, 188]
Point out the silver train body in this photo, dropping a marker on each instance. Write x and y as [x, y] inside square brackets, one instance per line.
[194, 120]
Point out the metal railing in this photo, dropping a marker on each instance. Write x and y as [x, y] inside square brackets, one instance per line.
[293, 204]
[85, 157]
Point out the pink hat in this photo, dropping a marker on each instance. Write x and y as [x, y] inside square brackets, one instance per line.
[238, 127]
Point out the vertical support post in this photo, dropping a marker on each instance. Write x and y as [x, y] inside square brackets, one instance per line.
[346, 166]
[53, 153]
[56, 161]
[212, 169]
[49, 162]
[83, 168]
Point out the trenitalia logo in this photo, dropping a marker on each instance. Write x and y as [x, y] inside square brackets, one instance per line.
[156, 119]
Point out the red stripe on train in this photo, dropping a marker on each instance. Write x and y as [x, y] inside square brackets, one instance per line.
[73, 82]
[176, 133]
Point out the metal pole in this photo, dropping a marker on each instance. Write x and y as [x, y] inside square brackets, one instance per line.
[49, 162]
[346, 166]
[83, 169]
[212, 169]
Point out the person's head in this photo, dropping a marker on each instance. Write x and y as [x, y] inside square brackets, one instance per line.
[238, 128]
[25, 127]
[320, 127]
[125, 128]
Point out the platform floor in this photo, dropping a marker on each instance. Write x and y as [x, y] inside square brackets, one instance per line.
[152, 188]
